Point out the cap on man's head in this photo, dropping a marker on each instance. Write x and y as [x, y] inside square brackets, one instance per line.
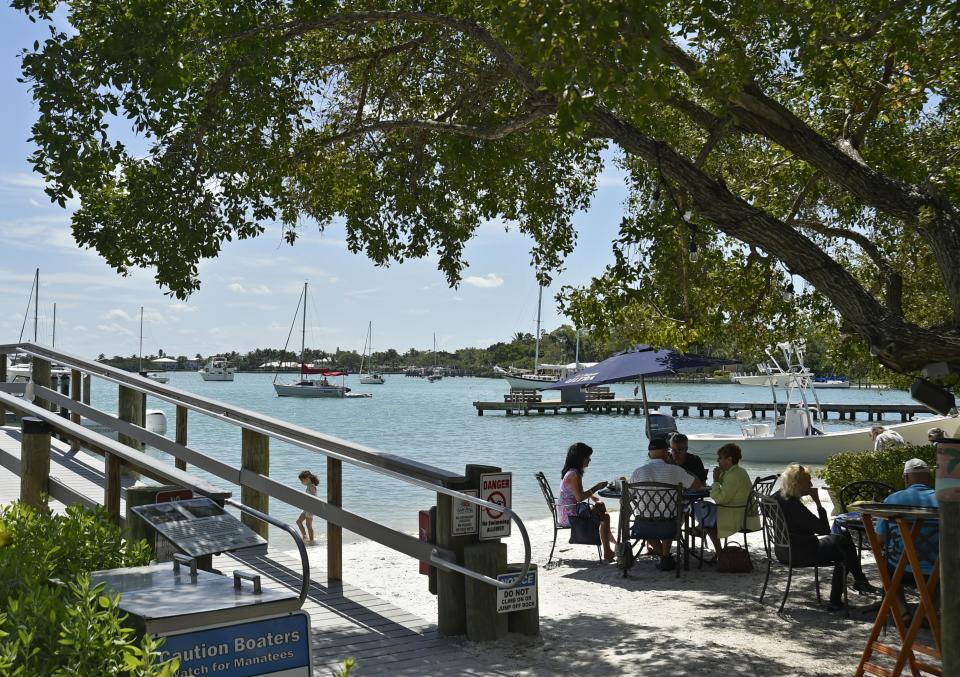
[915, 465]
[658, 443]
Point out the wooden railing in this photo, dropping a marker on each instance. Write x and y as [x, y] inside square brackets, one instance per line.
[446, 554]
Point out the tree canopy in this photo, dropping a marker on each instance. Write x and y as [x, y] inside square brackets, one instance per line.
[805, 151]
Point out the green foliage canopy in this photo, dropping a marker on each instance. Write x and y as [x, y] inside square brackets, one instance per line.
[815, 139]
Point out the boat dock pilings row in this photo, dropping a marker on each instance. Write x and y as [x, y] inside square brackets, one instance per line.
[512, 406]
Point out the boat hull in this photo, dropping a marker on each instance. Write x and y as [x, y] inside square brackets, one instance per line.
[526, 383]
[816, 449]
[371, 380]
[779, 380]
[292, 390]
[206, 376]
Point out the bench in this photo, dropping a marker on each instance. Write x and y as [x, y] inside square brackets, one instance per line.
[599, 393]
[521, 396]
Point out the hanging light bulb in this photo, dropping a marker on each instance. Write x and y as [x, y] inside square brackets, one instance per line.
[693, 251]
[788, 292]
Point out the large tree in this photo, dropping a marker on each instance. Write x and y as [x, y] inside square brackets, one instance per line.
[774, 139]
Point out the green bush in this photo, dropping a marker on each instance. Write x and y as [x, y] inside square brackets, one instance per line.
[54, 622]
[884, 466]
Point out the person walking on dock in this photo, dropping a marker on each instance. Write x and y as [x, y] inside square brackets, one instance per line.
[309, 482]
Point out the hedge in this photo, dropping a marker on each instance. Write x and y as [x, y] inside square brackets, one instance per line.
[885, 465]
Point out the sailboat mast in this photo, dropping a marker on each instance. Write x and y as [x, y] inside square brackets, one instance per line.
[303, 330]
[36, 301]
[536, 355]
[54, 339]
[140, 360]
[434, 349]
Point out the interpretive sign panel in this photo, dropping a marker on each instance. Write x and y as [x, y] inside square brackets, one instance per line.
[267, 646]
[524, 596]
[464, 516]
[199, 526]
[496, 488]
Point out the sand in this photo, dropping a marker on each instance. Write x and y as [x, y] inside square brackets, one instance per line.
[596, 621]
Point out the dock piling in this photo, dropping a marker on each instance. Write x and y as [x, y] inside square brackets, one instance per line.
[35, 462]
[334, 532]
[255, 456]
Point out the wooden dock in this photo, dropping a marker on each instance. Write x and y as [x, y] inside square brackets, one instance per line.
[517, 406]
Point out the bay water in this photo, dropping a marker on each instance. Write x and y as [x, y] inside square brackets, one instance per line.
[436, 423]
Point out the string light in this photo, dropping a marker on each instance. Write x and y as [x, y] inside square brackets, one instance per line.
[693, 250]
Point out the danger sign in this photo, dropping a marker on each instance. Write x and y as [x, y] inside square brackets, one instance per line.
[524, 596]
[496, 488]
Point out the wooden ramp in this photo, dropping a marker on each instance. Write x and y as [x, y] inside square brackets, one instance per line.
[346, 621]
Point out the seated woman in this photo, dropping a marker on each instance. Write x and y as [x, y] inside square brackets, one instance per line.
[731, 491]
[572, 492]
[810, 537]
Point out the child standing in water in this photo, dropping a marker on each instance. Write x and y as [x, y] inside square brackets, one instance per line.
[309, 482]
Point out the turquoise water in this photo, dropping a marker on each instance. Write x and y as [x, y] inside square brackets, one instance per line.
[436, 423]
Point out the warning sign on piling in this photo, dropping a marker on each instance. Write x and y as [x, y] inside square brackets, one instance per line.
[464, 517]
[524, 596]
[496, 488]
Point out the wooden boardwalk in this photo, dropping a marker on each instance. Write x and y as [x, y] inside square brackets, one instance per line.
[704, 409]
[345, 620]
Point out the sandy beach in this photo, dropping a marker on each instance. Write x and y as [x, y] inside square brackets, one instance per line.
[596, 621]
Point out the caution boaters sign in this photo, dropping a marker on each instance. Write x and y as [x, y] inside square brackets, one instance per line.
[496, 488]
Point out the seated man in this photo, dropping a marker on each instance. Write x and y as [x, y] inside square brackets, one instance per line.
[683, 458]
[919, 492]
[658, 470]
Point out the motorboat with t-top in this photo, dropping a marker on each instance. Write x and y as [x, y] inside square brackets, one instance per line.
[794, 436]
[217, 369]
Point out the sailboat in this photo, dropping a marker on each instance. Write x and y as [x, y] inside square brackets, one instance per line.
[311, 387]
[437, 372]
[157, 376]
[22, 370]
[543, 373]
[373, 377]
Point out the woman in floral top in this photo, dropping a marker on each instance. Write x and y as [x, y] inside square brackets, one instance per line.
[572, 492]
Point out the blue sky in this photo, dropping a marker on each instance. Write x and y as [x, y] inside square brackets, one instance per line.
[249, 293]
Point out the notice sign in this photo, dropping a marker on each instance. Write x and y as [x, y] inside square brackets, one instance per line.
[496, 488]
[524, 596]
[270, 646]
[464, 516]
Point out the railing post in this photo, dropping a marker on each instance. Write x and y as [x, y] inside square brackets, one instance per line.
[130, 409]
[35, 462]
[3, 379]
[334, 531]
[111, 486]
[86, 389]
[76, 385]
[255, 456]
[40, 373]
[181, 433]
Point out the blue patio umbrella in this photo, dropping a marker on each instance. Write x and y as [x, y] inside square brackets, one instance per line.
[637, 362]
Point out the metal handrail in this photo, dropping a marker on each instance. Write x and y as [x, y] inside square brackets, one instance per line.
[440, 558]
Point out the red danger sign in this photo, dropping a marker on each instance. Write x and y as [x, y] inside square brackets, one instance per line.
[495, 488]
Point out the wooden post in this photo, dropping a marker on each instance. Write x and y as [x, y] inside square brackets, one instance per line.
[334, 531]
[111, 487]
[483, 622]
[76, 386]
[130, 409]
[3, 379]
[86, 389]
[40, 373]
[950, 584]
[255, 456]
[181, 433]
[35, 462]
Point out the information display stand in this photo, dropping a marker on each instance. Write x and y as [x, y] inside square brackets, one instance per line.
[214, 624]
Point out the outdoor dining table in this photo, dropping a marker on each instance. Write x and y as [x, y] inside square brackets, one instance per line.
[909, 520]
[690, 496]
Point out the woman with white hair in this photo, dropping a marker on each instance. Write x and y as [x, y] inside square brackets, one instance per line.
[811, 542]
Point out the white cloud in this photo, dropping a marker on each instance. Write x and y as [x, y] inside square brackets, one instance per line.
[117, 314]
[458, 299]
[362, 293]
[153, 317]
[488, 281]
[180, 307]
[114, 328]
[249, 289]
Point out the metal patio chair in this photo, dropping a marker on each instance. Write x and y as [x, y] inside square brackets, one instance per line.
[777, 535]
[553, 504]
[865, 490]
[648, 511]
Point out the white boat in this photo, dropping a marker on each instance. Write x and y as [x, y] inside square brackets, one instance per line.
[373, 377]
[795, 437]
[311, 387]
[217, 369]
[437, 373]
[157, 376]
